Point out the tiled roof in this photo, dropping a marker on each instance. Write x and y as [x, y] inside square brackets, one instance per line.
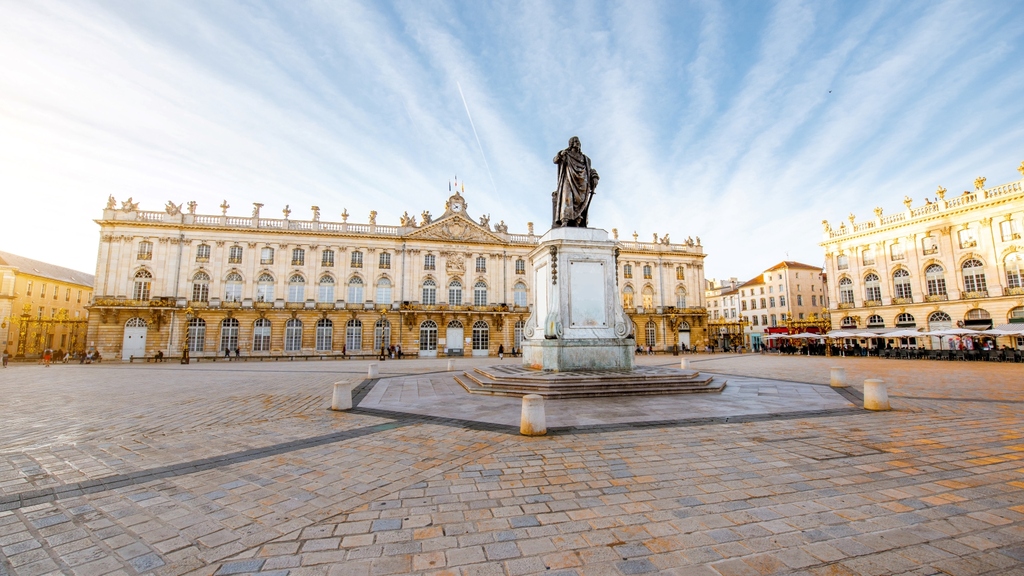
[51, 271]
[792, 264]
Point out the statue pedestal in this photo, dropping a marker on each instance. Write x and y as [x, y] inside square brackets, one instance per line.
[577, 322]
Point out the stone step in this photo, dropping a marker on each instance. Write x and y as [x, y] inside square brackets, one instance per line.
[477, 382]
[644, 374]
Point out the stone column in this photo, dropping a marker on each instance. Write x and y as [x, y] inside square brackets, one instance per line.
[532, 420]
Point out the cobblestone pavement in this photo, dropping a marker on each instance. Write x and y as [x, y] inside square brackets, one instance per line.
[233, 468]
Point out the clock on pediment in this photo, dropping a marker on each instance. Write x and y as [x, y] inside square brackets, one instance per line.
[455, 204]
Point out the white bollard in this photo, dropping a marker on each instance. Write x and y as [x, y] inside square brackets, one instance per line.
[838, 377]
[875, 395]
[451, 365]
[342, 399]
[372, 372]
[684, 363]
[532, 421]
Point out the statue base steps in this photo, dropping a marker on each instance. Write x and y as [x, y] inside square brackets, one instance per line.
[505, 380]
[578, 354]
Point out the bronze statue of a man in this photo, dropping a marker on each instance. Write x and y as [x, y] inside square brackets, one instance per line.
[576, 184]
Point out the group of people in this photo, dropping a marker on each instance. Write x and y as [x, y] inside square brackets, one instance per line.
[227, 353]
[392, 352]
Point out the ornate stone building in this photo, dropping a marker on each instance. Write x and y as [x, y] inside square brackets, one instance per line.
[788, 298]
[948, 262]
[41, 306]
[174, 279]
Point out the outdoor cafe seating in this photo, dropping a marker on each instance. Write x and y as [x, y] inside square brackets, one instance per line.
[956, 344]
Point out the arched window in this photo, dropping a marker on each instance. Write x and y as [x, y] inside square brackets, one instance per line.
[519, 294]
[481, 264]
[974, 276]
[680, 297]
[296, 288]
[143, 281]
[978, 314]
[382, 334]
[428, 335]
[627, 297]
[298, 257]
[324, 335]
[233, 287]
[517, 334]
[201, 287]
[1016, 315]
[480, 294]
[355, 290]
[901, 284]
[293, 335]
[872, 288]
[261, 335]
[265, 288]
[325, 293]
[939, 321]
[627, 271]
[650, 333]
[679, 273]
[353, 335]
[845, 291]
[1015, 270]
[875, 321]
[196, 335]
[935, 280]
[429, 292]
[481, 335]
[384, 291]
[648, 297]
[905, 319]
[849, 322]
[455, 293]
[228, 334]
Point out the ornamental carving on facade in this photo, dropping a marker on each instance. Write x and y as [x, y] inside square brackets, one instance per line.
[979, 183]
[172, 209]
[128, 205]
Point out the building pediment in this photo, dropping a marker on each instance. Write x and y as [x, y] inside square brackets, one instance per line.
[456, 228]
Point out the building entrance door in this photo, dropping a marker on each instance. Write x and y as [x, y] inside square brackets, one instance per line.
[684, 335]
[134, 343]
[454, 338]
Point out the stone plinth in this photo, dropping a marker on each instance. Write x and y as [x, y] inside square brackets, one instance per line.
[837, 377]
[876, 397]
[342, 397]
[532, 422]
[577, 322]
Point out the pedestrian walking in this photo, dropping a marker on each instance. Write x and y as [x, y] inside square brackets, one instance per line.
[47, 357]
[501, 351]
[6, 357]
[227, 354]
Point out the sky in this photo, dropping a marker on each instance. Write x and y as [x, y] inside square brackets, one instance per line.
[743, 123]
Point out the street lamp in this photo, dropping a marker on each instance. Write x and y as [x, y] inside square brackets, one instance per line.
[189, 315]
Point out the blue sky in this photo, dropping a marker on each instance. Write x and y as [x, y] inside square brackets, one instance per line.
[744, 123]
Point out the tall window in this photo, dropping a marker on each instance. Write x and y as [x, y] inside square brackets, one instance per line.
[1008, 230]
[235, 255]
[846, 291]
[354, 335]
[385, 260]
[143, 280]
[203, 253]
[842, 262]
[782, 300]
[200, 287]
[428, 335]
[384, 291]
[627, 297]
[327, 258]
[627, 270]
[1015, 271]
[974, 276]
[481, 264]
[868, 257]
[293, 335]
[896, 250]
[67, 294]
[481, 335]
[298, 257]
[325, 293]
[799, 299]
[429, 292]
[929, 245]
[196, 335]
[265, 288]
[517, 334]
[935, 280]
[872, 288]
[355, 290]
[480, 294]
[455, 293]
[28, 288]
[773, 320]
[900, 284]
[679, 273]
[650, 333]
[429, 262]
[357, 259]
[647, 271]
[145, 250]
[382, 334]
[519, 294]
[680, 297]
[324, 335]
[261, 335]
[771, 301]
[233, 287]
[967, 238]
[228, 334]
[267, 255]
[520, 266]
[648, 297]
[296, 288]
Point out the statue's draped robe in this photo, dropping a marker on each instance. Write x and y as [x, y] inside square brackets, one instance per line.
[576, 181]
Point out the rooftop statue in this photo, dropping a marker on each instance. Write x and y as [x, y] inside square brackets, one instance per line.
[576, 183]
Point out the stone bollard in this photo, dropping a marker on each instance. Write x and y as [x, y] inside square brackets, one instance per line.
[684, 363]
[342, 399]
[532, 421]
[372, 372]
[838, 377]
[451, 365]
[875, 395]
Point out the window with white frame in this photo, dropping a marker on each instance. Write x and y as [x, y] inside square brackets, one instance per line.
[324, 335]
[296, 288]
[203, 253]
[196, 335]
[627, 297]
[327, 258]
[429, 292]
[480, 294]
[935, 280]
[267, 255]
[228, 334]
[357, 259]
[382, 334]
[233, 287]
[298, 257]
[519, 294]
[650, 333]
[896, 250]
[201, 287]
[481, 264]
[429, 262]
[846, 291]
[520, 266]
[901, 284]
[325, 291]
[627, 271]
[929, 245]
[355, 290]
[872, 288]
[143, 282]
[353, 335]
[145, 250]
[1015, 270]
[1008, 230]
[265, 288]
[235, 255]
[383, 292]
[481, 335]
[455, 293]
[967, 238]
[842, 262]
[680, 297]
[293, 335]
[261, 335]
[384, 261]
[868, 257]
[974, 276]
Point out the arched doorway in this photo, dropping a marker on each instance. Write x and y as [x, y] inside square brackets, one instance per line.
[938, 321]
[684, 334]
[134, 343]
[428, 339]
[453, 339]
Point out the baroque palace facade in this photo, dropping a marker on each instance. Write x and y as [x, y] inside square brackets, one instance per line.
[172, 280]
[949, 262]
